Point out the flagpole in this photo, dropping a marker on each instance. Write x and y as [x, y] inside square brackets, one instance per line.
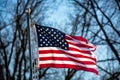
[28, 11]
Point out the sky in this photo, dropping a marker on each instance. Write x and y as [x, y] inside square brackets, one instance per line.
[58, 15]
[59, 19]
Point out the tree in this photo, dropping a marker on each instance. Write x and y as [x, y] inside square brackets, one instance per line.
[98, 21]
[14, 43]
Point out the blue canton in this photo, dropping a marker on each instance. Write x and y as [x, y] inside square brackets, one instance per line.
[50, 37]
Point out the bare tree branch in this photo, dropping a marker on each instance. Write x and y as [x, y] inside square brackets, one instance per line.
[107, 39]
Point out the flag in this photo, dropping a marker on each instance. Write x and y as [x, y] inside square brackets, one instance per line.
[60, 50]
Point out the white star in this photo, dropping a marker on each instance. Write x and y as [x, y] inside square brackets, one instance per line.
[58, 40]
[44, 32]
[49, 32]
[48, 41]
[40, 39]
[45, 39]
[54, 37]
[47, 29]
[52, 30]
[41, 29]
[61, 35]
[57, 35]
[65, 47]
[65, 43]
[40, 35]
[41, 44]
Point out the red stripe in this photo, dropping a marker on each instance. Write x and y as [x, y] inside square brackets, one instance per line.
[66, 59]
[80, 45]
[70, 58]
[62, 52]
[68, 37]
[81, 51]
[81, 54]
[72, 49]
[68, 66]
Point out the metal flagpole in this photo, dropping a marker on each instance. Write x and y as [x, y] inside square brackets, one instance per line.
[28, 11]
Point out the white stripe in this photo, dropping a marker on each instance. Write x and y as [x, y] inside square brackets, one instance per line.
[80, 42]
[70, 52]
[86, 44]
[67, 63]
[66, 56]
[75, 40]
[80, 48]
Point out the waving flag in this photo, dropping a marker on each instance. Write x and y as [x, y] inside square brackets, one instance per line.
[59, 50]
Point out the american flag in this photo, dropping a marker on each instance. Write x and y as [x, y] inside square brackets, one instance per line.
[59, 50]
